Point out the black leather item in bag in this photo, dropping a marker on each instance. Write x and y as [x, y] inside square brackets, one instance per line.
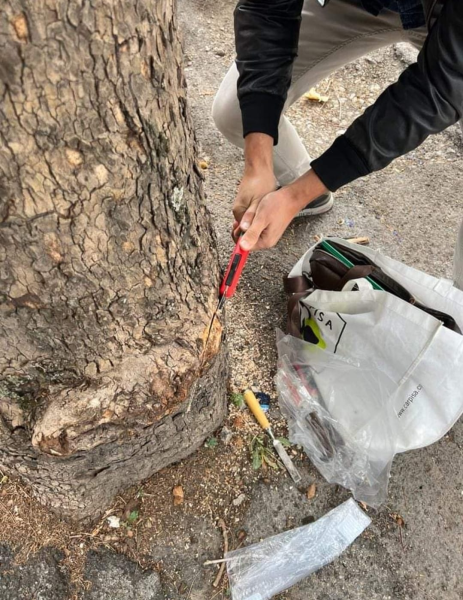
[329, 273]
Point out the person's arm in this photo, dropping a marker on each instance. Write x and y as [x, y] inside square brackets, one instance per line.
[266, 38]
[426, 99]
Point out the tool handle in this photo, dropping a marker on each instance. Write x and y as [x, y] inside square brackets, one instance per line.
[255, 408]
[232, 274]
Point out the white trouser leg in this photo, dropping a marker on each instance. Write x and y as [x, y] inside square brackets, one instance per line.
[330, 37]
[290, 156]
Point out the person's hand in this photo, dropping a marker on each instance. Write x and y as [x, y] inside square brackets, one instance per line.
[254, 186]
[258, 179]
[276, 211]
[273, 215]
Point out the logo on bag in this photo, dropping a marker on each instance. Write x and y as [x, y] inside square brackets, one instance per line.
[321, 328]
[410, 400]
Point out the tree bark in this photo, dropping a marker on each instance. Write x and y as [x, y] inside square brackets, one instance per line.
[108, 263]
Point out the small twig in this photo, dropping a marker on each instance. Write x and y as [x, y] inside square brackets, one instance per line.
[329, 86]
[361, 241]
[225, 550]
[326, 92]
[219, 593]
[214, 562]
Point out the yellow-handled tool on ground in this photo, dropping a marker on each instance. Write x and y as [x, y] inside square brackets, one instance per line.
[255, 408]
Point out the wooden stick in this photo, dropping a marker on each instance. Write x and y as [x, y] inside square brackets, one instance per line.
[225, 550]
[362, 241]
[214, 562]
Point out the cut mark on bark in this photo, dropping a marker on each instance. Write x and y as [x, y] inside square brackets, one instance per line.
[214, 331]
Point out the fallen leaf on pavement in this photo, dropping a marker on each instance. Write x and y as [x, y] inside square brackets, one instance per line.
[311, 491]
[398, 519]
[178, 495]
[313, 95]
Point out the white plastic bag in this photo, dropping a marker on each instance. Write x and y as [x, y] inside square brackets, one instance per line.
[388, 373]
[262, 570]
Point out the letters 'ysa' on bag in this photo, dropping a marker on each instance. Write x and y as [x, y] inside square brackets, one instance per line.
[375, 369]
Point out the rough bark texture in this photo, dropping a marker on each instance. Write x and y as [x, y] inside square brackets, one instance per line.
[108, 267]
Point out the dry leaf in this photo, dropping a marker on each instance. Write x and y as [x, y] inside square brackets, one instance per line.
[311, 491]
[238, 442]
[398, 519]
[238, 422]
[178, 495]
[313, 95]
[363, 505]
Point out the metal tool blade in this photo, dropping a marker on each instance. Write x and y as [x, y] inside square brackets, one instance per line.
[285, 459]
[219, 307]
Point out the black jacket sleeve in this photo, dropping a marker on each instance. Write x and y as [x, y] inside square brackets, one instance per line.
[426, 99]
[267, 37]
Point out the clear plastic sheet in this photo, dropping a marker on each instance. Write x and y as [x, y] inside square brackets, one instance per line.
[262, 570]
[354, 449]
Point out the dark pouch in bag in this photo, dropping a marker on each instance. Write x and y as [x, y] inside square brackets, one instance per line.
[329, 273]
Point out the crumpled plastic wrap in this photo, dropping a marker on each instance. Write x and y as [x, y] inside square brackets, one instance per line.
[356, 447]
[262, 570]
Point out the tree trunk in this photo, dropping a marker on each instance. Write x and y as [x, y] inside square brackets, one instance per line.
[108, 263]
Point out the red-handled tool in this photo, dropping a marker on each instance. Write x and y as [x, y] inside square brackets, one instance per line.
[233, 273]
[230, 280]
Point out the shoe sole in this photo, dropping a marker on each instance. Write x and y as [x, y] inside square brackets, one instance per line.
[320, 210]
